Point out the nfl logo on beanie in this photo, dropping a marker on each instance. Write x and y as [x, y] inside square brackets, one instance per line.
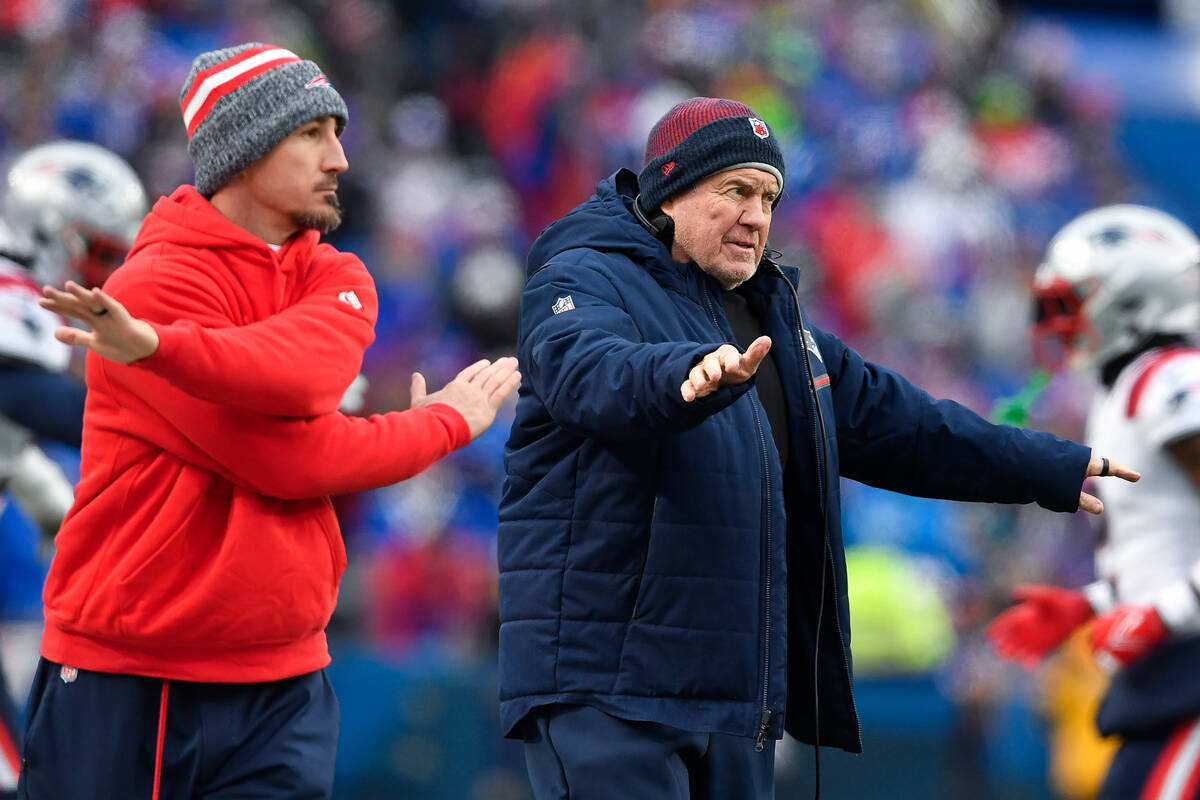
[700, 137]
[241, 101]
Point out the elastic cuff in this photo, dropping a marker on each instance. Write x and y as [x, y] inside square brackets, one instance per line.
[164, 353]
[1101, 595]
[1179, 607]
[459, 430]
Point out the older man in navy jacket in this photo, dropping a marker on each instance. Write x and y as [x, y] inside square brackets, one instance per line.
[672, 579]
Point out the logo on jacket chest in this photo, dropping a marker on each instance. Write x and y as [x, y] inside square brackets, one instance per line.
[811, 344]
[563, 304]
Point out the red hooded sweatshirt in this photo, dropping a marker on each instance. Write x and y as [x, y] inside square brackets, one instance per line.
[202, 545]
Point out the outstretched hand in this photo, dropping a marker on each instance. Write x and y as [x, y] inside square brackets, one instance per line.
[1104, 468]
[115, 334]
[477, 392]
[724, 366]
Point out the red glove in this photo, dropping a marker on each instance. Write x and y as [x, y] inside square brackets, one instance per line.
[1043, 618]
[1125, 634]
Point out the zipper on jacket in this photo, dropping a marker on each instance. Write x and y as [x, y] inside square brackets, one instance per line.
[711, 311]
[765, 713]
[818, 428]
[764, 723]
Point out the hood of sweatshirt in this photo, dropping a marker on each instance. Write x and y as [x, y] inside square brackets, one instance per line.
[186, 219]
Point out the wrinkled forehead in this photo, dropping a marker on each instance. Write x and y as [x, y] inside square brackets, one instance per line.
[746, 175]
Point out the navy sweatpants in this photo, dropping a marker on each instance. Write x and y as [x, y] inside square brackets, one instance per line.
[581, 753]
[1157, 766]
[99, 736]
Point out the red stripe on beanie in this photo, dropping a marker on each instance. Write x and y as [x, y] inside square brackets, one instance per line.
[204, 74]
[232, 85]
[686, 118]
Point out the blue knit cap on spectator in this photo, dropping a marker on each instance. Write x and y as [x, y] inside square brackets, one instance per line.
[701, 137]
[239, 102]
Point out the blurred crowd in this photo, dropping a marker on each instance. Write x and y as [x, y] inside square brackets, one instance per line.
[932, 148]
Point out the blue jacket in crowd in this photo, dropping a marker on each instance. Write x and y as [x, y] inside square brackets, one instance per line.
[654, 563]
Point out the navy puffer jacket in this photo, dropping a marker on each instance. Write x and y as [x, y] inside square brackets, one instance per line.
[654, 563]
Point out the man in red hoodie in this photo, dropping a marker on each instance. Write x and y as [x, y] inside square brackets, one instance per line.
[184, 649]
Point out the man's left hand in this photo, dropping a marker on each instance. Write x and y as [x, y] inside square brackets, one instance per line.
[1104, 468]
[723, 367]
[1126, 634]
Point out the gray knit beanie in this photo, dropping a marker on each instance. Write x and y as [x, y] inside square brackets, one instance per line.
[241, 101]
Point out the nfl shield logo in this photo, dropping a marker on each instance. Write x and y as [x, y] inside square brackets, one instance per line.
[759, 127]
[68, 674]
[563, 304]
[811, 344]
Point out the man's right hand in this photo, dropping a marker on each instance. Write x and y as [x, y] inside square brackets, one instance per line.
[115, 334]
[723, 367]
[477, 392]
[1043, 617]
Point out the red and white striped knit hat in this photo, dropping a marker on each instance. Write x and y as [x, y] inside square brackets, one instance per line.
[239, 102]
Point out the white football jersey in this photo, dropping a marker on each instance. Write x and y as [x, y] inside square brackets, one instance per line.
[27, 329]
[1153, 526]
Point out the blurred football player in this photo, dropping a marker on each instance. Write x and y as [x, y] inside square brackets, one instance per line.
[70, 211]
[1119, 295]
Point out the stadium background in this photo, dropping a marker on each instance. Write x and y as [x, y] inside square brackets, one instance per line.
[933, 146]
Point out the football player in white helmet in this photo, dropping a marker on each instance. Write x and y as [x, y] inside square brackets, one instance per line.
[70, 211]
[78, 205]
[1119, 295]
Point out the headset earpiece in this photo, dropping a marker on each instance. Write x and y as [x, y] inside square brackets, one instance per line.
[661, 227]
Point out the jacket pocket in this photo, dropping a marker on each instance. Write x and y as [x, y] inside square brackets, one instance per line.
[641, 573]
[254, 571]
[333, 538]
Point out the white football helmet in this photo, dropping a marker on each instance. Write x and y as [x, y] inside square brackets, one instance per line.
[78, 207]
[1113, 278]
